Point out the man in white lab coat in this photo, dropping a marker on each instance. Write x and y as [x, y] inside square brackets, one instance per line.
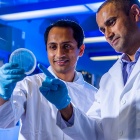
[116, 113]
[23, 102]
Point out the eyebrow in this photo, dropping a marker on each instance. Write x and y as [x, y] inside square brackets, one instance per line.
[67, 42]
[51, 43]
[106, 23]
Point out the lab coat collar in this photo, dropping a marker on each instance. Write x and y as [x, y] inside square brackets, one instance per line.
[136, 69]
[134, 72]
[116, 70]
[116, 74]
[78, 78]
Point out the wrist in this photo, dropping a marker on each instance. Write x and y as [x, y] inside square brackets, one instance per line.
[67, 112]
[2, 101]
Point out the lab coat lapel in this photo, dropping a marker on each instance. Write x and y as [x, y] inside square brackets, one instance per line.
[131, 79]
[134, 73]
[116, 75]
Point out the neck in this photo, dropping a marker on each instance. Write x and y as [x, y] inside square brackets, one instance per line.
[132, 55]
[68, 76]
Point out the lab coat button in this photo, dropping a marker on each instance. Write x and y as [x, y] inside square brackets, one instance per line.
[121, 133]
[123, 102]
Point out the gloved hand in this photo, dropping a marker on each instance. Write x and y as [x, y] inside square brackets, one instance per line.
[54, 90]
[10, 74]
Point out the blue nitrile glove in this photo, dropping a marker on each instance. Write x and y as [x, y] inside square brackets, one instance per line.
[10, 74]
[54, 90]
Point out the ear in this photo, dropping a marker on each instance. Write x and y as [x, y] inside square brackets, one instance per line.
[135, 10]
[82, 48]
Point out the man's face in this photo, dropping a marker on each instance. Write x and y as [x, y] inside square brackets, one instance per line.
[62, 50]
[119, 29]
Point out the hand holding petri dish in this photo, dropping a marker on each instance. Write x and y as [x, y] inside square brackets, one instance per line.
[25, 59]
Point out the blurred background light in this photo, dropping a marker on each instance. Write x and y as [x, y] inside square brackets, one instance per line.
[94, 39]
[35, 13]
[94, 6]
[44, 13]
[105, 58]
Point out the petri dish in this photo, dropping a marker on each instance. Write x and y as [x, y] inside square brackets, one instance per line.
[25, 59]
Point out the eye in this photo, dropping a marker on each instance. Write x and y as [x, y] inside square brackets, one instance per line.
[52, 47]
[67, 46]
[102, 30]
[112, 21]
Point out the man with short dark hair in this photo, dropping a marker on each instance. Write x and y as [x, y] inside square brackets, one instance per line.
[24, 101]
[116, 113]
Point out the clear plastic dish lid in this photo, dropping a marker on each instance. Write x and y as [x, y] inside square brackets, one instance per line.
[25, 59]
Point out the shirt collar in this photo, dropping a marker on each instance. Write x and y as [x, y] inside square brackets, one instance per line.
[125, 59]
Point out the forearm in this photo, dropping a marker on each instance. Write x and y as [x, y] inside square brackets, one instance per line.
[66, 113]
[81, 122]
[11, 110]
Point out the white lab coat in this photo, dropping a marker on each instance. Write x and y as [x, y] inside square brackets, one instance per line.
[38, 116]
[116, 114]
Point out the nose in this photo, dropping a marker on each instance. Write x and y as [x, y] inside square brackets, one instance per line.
[60, 52]
[109, 34]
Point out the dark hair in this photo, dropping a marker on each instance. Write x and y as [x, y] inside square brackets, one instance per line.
[125, 5]
[78, 33]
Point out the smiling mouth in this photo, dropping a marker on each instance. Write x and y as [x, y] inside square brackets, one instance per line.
[61, 62]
